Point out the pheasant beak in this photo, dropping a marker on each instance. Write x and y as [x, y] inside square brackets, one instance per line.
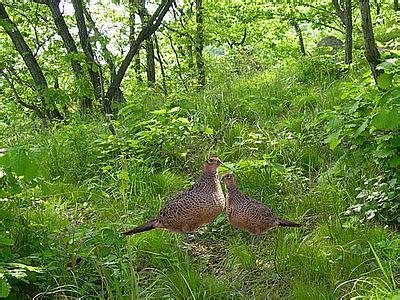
[220, 162]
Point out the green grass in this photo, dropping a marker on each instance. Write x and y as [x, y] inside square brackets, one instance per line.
[90, 186]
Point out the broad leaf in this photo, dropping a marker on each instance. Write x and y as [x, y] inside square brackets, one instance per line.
[385, 80]
[387, 120]
[4, 288]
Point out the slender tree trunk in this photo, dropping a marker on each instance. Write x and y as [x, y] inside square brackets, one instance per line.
[348, 18]
[150, 59]
[132, 29]
[36, 72]
[160, 61]
[149, 46]
[200, 44]
[396, 5]
[190, 55]
[371, 51]
[94, 68]
[69, 44]
[150, 28]
[108, 56]
[299, 34]
[345, 15]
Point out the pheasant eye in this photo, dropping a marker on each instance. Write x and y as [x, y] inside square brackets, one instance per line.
[210, 161]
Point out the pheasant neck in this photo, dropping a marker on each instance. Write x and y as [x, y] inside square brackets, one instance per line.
[234, 195]
[207, 178]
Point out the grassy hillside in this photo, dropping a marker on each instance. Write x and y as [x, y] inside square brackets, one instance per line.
[77, 187]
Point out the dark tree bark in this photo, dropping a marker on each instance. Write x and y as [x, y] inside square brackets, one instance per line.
[241, 42]
[149, 46]
[345, 15]
[150, 59]
[93, 67]
[36, 72]
[199, 44]
[299, 34]
[371, 51]
[107, 55]
[70, 46]
[132, 29]
[190, 55]
[151, 27]
[19, 100]
[160, 61]
[396, 5]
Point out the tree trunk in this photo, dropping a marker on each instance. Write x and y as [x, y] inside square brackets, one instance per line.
[107, 55]
[160, 61]
[93, 67]
[371, 51]
[199, 44]
[69, 44]
[348, 47]
[132, 29]
[36, 72]
[396, 5]
[150, 28]
[345, 15]
[299, 34]
[150, 57]
[149, 46]
[190, 55]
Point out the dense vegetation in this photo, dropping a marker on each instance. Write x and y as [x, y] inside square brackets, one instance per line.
[89, 149]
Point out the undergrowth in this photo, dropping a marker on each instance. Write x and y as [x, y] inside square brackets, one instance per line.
[68, 192]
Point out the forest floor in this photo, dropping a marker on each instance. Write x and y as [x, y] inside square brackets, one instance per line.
[82, 187]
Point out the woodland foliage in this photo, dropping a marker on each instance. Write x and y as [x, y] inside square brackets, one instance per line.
[108, 108]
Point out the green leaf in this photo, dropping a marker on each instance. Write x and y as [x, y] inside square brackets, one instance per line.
[19, 162]
[123, 175]
[4, 288]
[387, 120]
[361, 128]
[385, 80]
[333, 139]
[174, 109]
[209, 131]
[183, 120]
[394, 161]
[387, 65]
[4, 240]
[383, 153]
[159, 112]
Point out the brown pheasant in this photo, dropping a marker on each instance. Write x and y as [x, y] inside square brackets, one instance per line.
[247, 214]
[192, 208]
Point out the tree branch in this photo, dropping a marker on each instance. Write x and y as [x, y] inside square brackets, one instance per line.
[339, 11]
[151, 27]
[87, 49]
[108, 56]
[30, 106]
[320, 23]
[23, 49]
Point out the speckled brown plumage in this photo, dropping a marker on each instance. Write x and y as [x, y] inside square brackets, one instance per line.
[247, 214]
[192, 208]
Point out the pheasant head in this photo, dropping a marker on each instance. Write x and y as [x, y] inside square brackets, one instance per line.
[211, 165]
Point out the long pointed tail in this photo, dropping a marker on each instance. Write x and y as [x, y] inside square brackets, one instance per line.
[288, 223]
[145, 227]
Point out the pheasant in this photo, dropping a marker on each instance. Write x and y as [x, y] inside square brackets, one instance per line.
[247, 214]
[192, 208]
